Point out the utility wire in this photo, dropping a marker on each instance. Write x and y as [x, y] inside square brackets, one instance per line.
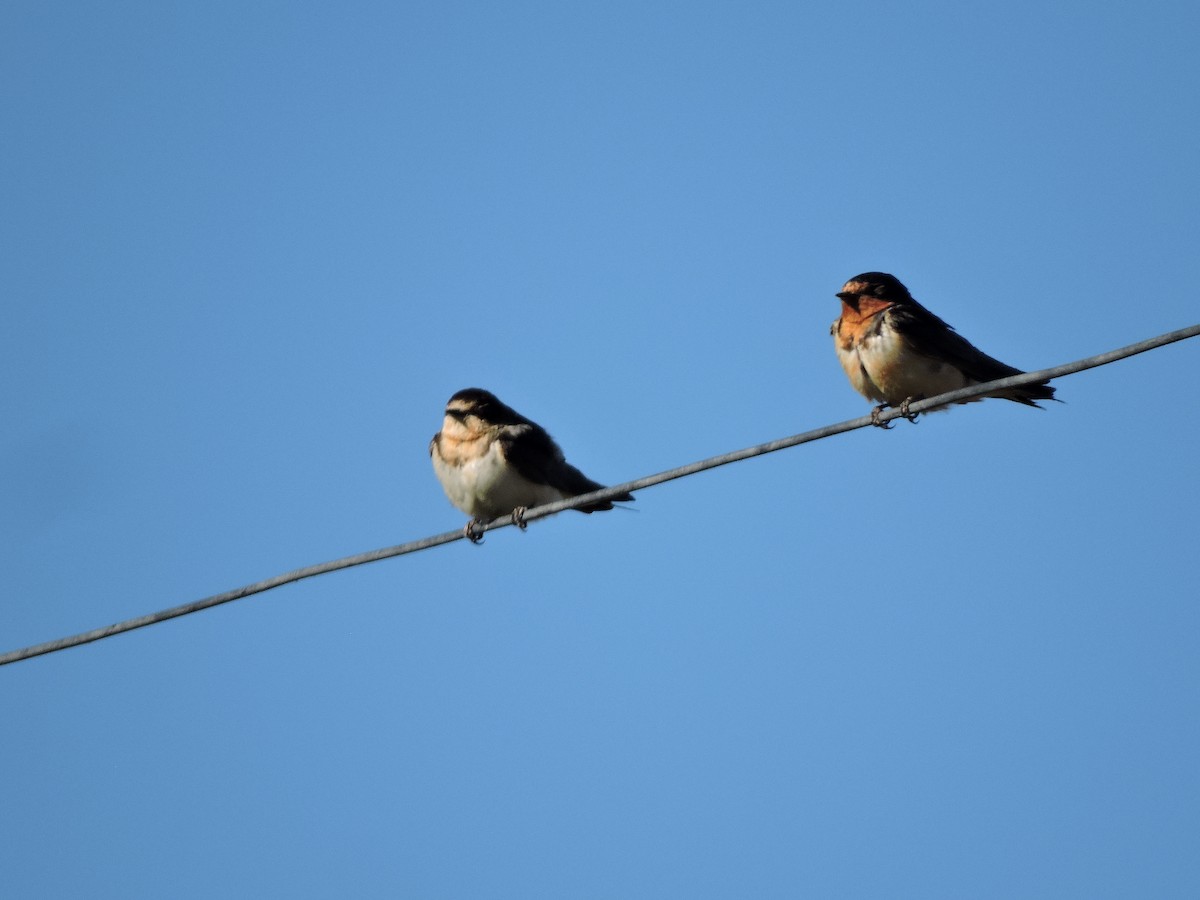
[609, 493]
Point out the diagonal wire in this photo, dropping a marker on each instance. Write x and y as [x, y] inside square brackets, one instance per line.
[608, 493]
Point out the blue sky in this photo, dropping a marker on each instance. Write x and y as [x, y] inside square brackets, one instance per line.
[250, 251]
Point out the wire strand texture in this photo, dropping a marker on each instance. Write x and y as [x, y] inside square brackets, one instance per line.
[608, 493]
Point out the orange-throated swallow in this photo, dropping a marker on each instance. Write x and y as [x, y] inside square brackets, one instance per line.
[895, 351]
[491, 460]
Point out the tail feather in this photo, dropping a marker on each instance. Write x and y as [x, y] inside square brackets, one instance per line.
[1027, 394]
[605, 504]
[578, 483]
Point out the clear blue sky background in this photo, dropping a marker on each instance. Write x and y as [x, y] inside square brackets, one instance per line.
[249, 250]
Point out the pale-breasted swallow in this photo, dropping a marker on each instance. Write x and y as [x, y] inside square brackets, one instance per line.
[491, 460]
[895, 351]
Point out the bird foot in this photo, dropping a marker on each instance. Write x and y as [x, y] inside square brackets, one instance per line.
[471, 533]
[911, 416]
[518, 518]
[875, 414]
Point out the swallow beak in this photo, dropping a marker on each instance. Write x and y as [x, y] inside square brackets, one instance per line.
[849, 299]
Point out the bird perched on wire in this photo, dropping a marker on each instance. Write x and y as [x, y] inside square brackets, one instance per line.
[895, 351]
[491, 460]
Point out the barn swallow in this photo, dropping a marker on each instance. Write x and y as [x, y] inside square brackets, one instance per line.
[895, 351]
[491, 460]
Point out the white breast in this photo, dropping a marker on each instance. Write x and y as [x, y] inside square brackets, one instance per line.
[487, 487]
[897, 372]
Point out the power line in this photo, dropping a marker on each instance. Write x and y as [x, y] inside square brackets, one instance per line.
[608, 493]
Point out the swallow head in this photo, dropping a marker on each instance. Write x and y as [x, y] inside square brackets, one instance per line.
[474, 410]
[878, 286]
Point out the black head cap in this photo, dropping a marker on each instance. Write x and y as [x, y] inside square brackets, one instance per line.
[485, 405]
[880, 285]
[472, 397]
